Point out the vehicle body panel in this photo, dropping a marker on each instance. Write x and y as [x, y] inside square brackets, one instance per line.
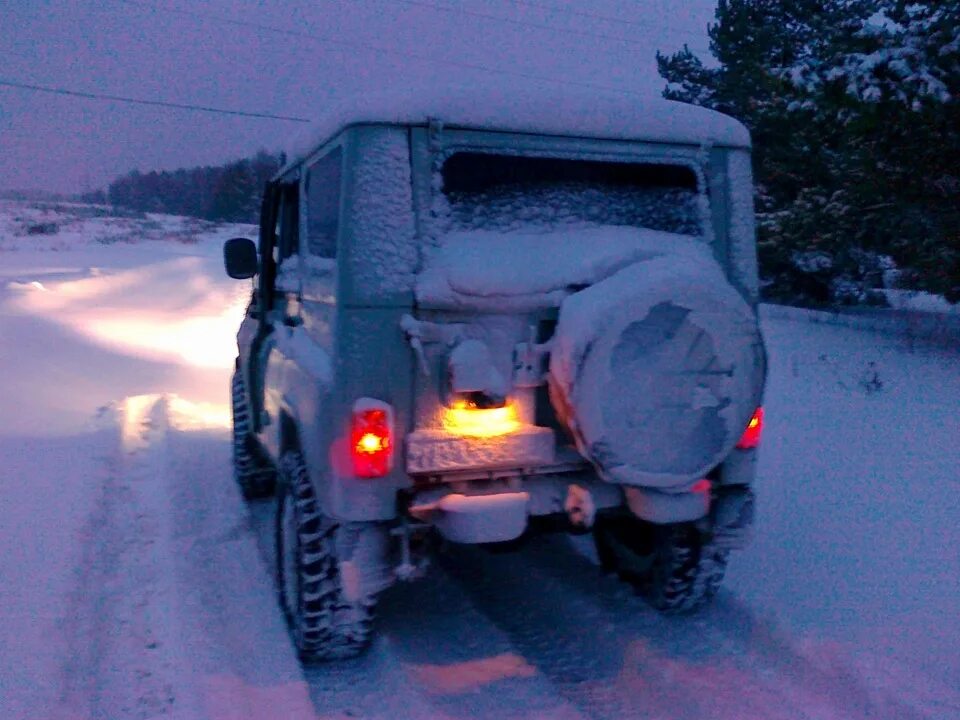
[335, 334]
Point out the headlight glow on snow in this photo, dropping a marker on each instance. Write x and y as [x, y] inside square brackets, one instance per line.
[167, 311]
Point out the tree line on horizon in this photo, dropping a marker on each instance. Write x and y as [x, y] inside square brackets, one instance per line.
[224, 193]
[854, 109]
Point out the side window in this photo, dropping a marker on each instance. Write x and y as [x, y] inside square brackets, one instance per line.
[285, 231]
[285, 238]
[323, 205]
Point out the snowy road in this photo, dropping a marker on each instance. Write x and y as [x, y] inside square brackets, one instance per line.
[136, 584]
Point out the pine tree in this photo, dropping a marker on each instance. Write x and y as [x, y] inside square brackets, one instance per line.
[898, 85]
[235, 194]
[853, 114]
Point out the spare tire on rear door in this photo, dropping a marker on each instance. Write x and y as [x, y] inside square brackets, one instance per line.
[657, 370]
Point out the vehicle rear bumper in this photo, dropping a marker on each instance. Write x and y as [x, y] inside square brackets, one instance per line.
[498, 510]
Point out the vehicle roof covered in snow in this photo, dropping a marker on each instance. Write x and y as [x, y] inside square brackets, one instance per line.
[570, 112]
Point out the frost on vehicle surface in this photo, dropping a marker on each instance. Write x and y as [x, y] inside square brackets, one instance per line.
[475, 308]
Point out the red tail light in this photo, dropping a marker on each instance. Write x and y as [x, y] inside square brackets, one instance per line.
[371, 438]
[751, 436]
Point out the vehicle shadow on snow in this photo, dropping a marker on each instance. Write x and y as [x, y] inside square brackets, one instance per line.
[486, 632]
[602, 647]
[373, 685]
[607, 651]
[434, 652]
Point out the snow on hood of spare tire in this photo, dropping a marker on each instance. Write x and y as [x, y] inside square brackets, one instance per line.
[519, 271]
[528, 108]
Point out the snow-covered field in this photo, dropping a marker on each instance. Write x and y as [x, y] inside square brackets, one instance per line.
[134, 583]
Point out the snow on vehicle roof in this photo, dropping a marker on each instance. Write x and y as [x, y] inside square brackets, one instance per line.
[530, 109]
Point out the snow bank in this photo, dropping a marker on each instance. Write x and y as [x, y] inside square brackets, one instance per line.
[48, 488]
[919, 301]
[59, 226]
[129, 563]
[519, 271]
[530, 108]
[934, 328]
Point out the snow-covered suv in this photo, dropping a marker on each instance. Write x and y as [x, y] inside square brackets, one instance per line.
[473, 308]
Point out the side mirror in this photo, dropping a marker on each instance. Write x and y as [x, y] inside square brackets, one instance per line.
[240, 258]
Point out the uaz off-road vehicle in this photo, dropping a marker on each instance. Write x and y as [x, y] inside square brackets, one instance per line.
[473, 310]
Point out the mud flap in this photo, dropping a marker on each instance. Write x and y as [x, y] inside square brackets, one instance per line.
[733, 515]
[363, 550]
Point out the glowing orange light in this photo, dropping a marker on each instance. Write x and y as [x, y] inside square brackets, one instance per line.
[492, 422]
[371, 443]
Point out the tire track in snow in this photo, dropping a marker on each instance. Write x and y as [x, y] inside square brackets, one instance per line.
[536, 633]
[122, 663]
[434, 657]
[87, 629]
[606, 652]
[144, 644]
[540, 633]
[612, 656]
[239, 664]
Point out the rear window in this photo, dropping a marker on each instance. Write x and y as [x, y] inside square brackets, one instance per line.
[508, 192]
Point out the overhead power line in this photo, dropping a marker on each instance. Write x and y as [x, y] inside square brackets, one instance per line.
[659, 26]
[554, 28]
[326, 39]
[156, 103]
[578, 13]
[596, 16]
[520, 23]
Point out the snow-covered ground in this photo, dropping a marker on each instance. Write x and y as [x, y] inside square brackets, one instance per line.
[134, 582]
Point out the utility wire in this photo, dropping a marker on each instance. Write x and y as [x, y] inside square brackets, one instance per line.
[554, 28]
[367, 46]
[594, 16]
[157, 103]
[579, 13]
[519, 23]
[317, 38]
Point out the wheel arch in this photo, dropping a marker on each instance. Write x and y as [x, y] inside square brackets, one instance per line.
[290, 438]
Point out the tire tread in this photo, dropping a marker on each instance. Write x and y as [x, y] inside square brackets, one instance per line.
[324, 625]
[680, 572]
[255, 478]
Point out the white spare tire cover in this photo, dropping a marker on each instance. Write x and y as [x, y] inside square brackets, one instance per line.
[657, 370]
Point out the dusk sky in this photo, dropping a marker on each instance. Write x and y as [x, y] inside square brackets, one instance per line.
[211, 54]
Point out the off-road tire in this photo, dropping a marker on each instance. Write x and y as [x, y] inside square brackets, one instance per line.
[255, 478]
[323, 623]
[672, 566]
